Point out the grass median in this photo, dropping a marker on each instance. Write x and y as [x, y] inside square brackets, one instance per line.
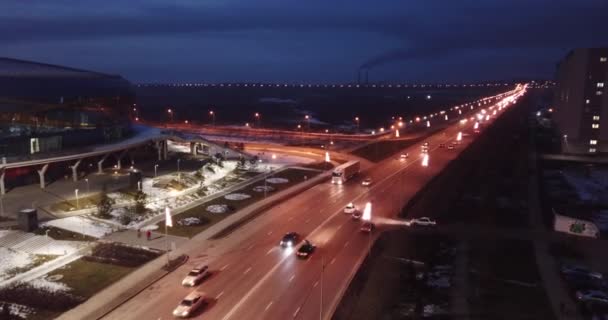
[255, 192]
[383, 149]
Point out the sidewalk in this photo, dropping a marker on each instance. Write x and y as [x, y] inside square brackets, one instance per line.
[123, 290]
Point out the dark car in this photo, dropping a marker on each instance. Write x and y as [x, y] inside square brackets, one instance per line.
[306, 250]
[289, 239]
[367, 227]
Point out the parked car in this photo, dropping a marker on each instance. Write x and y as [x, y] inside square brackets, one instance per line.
[189, 304]
[289, 240]
[350, 208]
[422, 221]
[367, 227]
[366, 182]
[306, 249]
[576, 270]
[592, 296]
[195, 276]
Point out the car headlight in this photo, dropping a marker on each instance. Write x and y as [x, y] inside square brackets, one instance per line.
[185, 313]
[289, 244]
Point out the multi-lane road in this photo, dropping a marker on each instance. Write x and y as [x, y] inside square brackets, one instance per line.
[253, 278]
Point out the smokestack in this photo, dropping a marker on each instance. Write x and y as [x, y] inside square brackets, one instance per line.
[366, 76]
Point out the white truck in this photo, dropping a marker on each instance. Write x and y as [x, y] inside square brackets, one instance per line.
[345, 171]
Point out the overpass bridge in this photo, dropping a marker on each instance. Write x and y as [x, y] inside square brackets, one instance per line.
[149, 136]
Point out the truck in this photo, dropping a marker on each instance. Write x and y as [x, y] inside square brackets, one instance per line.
[345, 171]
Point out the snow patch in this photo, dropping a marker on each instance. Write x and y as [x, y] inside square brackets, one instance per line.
[82, 225]
[11, 259]
[217, 208]
[277, 180]
[263, 188]
[43, 283]
[191, 221]
[237, 196]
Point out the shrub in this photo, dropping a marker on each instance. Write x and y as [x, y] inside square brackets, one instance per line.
[25, 294]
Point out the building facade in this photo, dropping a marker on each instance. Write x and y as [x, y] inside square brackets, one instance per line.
[581, 101]
[47, 109]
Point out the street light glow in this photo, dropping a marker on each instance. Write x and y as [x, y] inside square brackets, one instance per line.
[367, 212]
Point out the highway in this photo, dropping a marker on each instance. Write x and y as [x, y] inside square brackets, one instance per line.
[253, 278]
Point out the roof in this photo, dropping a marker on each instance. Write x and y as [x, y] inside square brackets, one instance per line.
[21, 68]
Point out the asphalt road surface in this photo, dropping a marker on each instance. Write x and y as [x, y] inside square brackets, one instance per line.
[253, 278]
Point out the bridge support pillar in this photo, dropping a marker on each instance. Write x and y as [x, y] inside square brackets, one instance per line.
[100, 163]
[193, 146]
[2, 187]
[161, 147]
[119, 158]
[74, 168]
[41, 173]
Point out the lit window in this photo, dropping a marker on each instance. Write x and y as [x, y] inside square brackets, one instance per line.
[595, 125]
[598, 93]
[593, 142]
[592, 150]
[600, 84]
[603, 59]
[596, 118]
[587, 101]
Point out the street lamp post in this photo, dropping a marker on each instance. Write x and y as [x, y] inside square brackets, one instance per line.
[212, 115]
[257, 119]
[170, 112]
[307, 118]
[77, 200]
[155, 169]
[1, 205]
[178, 171]
[88, 189]
[357, 121]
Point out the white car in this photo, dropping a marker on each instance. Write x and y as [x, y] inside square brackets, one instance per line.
[195, 276]
[366, 182]
[189, 304]
[404, 156]
[450, 146]
[350, 208]
[592, 296]
[423, 221]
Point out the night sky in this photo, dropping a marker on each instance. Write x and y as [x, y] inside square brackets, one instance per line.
[310, 40]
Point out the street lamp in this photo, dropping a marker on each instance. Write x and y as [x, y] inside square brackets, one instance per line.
[257, 119]
[212, 115]
[77, 201]
[307, 118]
[357, 121]
[170, 112]
[155, 168]
[88, 189]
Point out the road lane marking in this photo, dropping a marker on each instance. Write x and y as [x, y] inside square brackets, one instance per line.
[269, 251]
[219, 295]
[315, 285]
[270, 233]
[268, 306]
[346, 244]
[291, 279]
[307, 220]
[295, 314]
[290, 218]
[224, 268]
[247, 271]
[332, 261]
[249, 248]
[339, 227]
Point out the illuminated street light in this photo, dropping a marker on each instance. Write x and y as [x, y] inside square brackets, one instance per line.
[476, 126]
[327, 159]
[397, 133]
[258, 119]
[446, 117]
[357, 121]
[212, 115]
[459, 136]
[428, 124]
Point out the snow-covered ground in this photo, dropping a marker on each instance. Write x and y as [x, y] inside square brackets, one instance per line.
[82, 225]
[277, 180]
[281, 160]
[217, 208]
[592, 187]
[237, 196]
[43, 283]
[11, 259]
[178, 147]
